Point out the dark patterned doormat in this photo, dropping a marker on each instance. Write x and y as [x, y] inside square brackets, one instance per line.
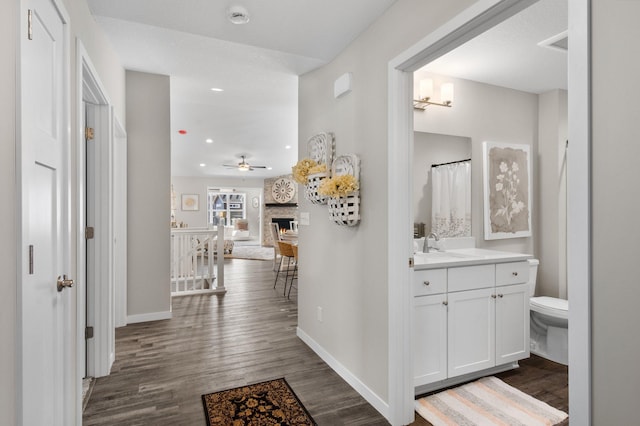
[261, 404]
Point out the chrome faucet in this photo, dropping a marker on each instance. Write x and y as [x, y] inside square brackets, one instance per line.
[425, 245]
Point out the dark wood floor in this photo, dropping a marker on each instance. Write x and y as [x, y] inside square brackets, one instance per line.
[248, 335]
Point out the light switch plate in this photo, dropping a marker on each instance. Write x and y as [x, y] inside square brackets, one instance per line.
[304, 219]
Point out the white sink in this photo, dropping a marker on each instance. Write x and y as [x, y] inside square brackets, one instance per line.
[439, 257]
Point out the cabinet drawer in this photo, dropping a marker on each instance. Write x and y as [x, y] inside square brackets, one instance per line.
[512, 273]
[429, 281]
[471, 277]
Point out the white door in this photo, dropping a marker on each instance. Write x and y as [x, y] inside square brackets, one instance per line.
[512, 323]
[471, 331]
[46, 394]
[429, 339]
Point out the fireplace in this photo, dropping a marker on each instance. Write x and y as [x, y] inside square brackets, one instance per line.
[283, 222]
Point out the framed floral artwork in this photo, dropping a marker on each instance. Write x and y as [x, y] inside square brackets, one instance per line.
[190, 202]
[507, 190]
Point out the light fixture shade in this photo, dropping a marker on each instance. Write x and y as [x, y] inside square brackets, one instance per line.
[446, 93]
[426, 89]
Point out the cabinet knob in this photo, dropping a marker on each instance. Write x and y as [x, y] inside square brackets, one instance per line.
[501, 295]
[445, 303]
[427, 283]
[515, 274]
[493, 296]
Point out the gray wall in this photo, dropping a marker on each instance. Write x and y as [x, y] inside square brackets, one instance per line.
[8, 301]
[551, 235]
[345, 269]
[148, 196]
[428, 149]
[615, 207]
[508, 116]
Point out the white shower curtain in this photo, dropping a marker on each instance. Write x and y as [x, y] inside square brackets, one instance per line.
[451, 199]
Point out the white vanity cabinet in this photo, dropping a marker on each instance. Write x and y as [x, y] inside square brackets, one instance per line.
[430, 339]
[471, 331]
[474, 318]
[512, 311]
[430, 326]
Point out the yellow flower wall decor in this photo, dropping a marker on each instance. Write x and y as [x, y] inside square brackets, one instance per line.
[339, 186]
[320, 168]
[301, 170]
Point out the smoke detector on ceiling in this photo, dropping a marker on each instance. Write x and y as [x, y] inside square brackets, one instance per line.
[238, 15]
[557, 42]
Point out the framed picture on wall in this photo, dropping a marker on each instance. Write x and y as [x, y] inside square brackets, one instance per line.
[190, 202]
[507, 190]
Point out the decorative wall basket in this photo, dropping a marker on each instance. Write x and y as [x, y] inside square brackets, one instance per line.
[321, 149]
[311, 188]
[345, 210]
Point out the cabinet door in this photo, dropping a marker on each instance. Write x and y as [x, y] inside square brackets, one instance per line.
[471, 325]
[512, 323]
[429, 339]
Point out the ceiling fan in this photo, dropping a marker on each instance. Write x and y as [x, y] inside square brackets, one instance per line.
[243, 166]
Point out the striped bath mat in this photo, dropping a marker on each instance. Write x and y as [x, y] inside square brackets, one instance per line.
[488, 401]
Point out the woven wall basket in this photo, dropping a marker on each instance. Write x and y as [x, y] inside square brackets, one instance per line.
[345, 210]
[311, 188]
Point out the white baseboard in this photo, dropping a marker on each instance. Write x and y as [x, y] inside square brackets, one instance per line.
[151, 316]
[371, 397]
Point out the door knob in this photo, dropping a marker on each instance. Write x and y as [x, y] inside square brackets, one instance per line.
[64, 282]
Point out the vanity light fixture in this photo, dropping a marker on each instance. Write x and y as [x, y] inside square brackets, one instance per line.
[425, 94]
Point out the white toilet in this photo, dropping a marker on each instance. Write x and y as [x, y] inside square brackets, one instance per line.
[549, 322]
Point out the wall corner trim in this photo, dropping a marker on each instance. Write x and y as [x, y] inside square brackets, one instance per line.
[370, 396]
[151, 316]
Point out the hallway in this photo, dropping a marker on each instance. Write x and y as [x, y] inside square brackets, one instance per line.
[216, 342]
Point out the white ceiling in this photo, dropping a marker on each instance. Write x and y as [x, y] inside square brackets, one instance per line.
[508, 55]
[258, 64]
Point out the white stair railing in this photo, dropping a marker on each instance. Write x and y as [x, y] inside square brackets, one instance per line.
[192, 262]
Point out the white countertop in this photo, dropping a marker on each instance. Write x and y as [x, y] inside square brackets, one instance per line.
[464, 257]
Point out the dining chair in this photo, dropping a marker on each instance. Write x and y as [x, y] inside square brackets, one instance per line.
[286, 250]
[294, 248]
[275, 236]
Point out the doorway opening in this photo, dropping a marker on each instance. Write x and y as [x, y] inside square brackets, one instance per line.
[101, 232]
[473, 21]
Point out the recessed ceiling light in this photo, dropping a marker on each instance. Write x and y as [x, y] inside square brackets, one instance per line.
[287, 147]
[238, 15]
[217, 89]
[202, 164]
[269, 168]
[209, 140]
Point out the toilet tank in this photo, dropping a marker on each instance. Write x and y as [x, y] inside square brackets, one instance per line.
[533, 273]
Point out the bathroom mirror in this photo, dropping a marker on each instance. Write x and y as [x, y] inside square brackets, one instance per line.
[450, 152]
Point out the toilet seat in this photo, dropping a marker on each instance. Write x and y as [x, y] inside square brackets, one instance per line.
[551, 306]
